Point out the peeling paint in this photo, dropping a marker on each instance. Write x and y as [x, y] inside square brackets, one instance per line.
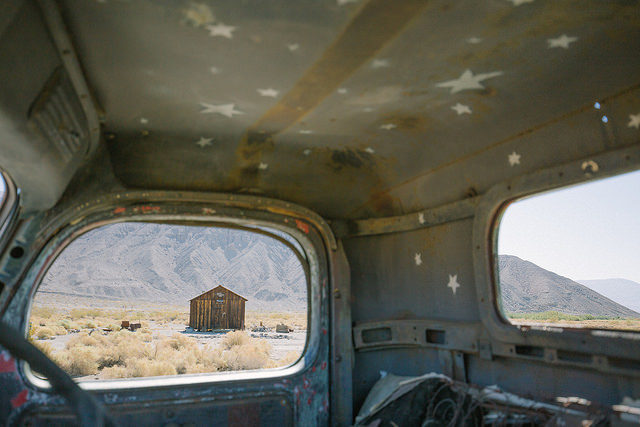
[303, 226]
[7, 363]
[20, 399]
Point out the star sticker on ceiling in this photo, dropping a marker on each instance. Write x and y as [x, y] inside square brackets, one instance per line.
[293, 47]
[514, 159]
[388, 126]
[263, 166]
[227, 110]
[563, 41]
[342, 90]
[453, 283]
[380, 63]
[306, 152]
[221, 30]
[143, 120]
[519, 2]
[421, 218]
[418, 259]
[305, 131]
[468, 81]
[461, 109]
[474, 40]
[214, 70]
[634, 121]
[369, 150]
[268, 92]
[203, 142]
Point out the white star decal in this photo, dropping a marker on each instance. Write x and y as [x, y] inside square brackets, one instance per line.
[634, 121]
[268, 92]
[519, 2]
[214, 70]
[227, 110]
[367, 109]
[474, 40]
[263, 166]
[514, 159]
[369, 150]
[143, 120]
[421, 218]
[379, 63]
[221, 30]
[306, 152]
[293, 47]
[342, 90]
[203, 142]
[305, 131]
[563, 41]
[418, 259]
[461, 109]
[388, 126]
[468, 81]
[453, 283]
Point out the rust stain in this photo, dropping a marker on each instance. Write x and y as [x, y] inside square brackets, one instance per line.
[375, 25]
[382, 195]
[348, 157]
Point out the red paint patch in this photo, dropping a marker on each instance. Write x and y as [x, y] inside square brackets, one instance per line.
[324, 331]
[309, 401]
[119, 210]
[313, 369]
[20, 399]
[306, 383]
[7, 364]
[148, 209]
[303, 226]
[324, 365]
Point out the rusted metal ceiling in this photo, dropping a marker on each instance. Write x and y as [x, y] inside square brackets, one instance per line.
[354, 108]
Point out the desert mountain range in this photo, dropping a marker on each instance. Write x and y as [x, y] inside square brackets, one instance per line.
[172, 264]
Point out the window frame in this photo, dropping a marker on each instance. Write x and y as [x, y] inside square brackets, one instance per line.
[505, 338]
[311, 234]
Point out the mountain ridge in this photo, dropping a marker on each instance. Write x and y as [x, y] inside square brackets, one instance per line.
[528, 288]
[172, 264]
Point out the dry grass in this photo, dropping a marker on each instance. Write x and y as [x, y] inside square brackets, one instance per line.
[126, 354]
[612, 324]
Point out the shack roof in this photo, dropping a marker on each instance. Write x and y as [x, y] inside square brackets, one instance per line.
[216, 288]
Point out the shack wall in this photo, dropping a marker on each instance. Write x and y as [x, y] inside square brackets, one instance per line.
[218, 308]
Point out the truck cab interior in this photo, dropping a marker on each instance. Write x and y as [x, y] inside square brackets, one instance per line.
[383, 143]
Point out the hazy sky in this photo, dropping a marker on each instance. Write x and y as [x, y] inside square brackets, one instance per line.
[589, 231]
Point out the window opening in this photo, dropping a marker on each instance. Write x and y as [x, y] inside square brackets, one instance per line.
[143, 299]
[569, 257]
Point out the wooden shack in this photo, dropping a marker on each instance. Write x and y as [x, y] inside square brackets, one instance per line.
[218, 308]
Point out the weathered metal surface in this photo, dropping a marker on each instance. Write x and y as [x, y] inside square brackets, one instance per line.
[69, 58]
[305, 385]
[417, 333]
[615, 344]
[342, 357]
[462, 209]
